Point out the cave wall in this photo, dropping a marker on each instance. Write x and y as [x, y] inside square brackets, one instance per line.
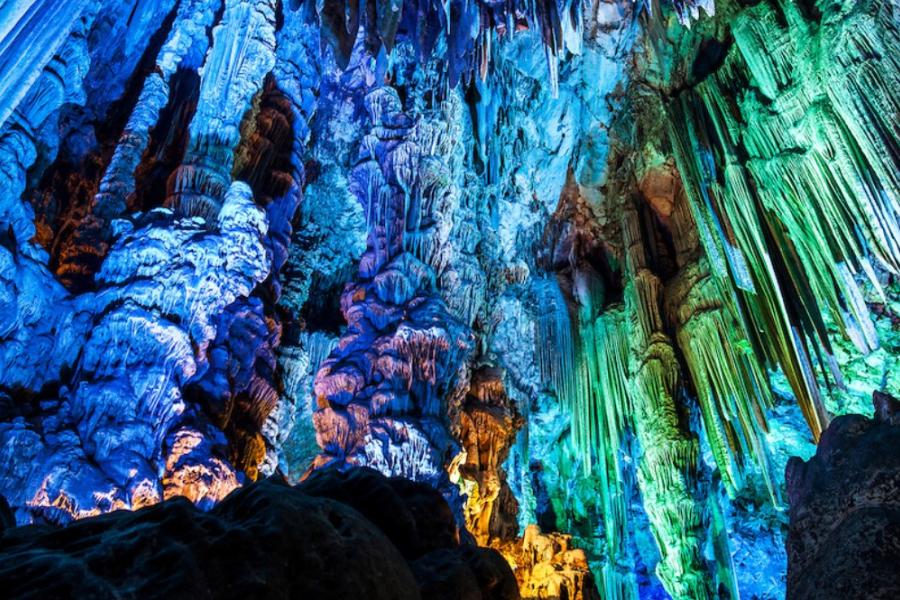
[592, 272]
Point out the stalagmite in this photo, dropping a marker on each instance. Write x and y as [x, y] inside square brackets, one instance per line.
[668, 469]
[488, 425]
[382, 407]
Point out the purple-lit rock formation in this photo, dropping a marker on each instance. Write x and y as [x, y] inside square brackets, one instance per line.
[383, 390]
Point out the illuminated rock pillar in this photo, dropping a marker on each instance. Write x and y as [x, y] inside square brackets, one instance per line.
[57, 80]
[34, 307]
[117, 432]
[32, 33]
[383, 391]
[667, 470]
[489, 421]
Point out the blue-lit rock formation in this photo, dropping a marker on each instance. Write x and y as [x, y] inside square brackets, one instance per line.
[594, 272]
[387, 380]
[121, 414]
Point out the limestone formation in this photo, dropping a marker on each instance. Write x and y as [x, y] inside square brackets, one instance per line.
[591, 272]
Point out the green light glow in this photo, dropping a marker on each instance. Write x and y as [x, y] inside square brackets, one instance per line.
[789, 156]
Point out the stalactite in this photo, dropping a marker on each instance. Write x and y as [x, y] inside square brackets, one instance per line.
[187, 42]
[609, 413]
[556, 348]
[121, 55]
[622, 374]
[434, 140]
[732, 390]
[668, 469]
[801, 216]
[32, 33]
[59, 81]
[766, 308]
[242, 53]
[38, 332]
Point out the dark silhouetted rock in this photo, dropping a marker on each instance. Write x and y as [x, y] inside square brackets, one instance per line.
[844, 539]
[265, 540]
[413, 515]
[7, 519]
[469, 572]
[435, 525]
[369, 492]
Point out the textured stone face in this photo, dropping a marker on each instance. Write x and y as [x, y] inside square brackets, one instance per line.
[133, 365]
[265, 540]
[845, 510]
[593, 272]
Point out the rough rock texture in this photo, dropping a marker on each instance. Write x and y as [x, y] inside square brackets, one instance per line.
[548, 567]
[383, 390]
[600, 267]
[844, 538]
[114, 399]
[265, 540]
[488, 425]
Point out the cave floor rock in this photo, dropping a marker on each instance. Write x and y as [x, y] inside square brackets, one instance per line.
[844, 539]
[265, 540]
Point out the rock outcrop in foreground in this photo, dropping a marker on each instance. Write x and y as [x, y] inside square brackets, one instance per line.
[844, 540]
[337, 535]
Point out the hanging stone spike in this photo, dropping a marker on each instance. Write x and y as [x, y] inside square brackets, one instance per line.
[57, 80]
[815, 203]
[667, 471]
[607, 351]
[242, 53]
[32, 32]
[189, 36]
[766, 308]
[732, 390]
